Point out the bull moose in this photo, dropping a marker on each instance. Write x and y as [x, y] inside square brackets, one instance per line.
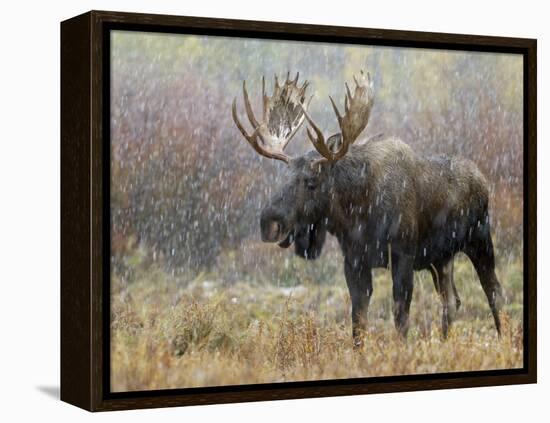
[387, 205]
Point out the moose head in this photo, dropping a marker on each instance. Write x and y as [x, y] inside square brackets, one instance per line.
[298, 212]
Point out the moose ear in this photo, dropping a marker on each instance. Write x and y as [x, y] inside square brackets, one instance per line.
[334, 142]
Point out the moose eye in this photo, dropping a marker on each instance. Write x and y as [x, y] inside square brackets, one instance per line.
[311, 184]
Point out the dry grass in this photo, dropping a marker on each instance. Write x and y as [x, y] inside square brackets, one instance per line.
[176, 333]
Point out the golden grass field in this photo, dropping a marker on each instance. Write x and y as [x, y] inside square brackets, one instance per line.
[213, 329]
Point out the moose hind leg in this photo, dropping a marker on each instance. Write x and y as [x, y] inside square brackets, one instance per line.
[435, 277]
[359, 281]
[402, 276]
[442, 274]
[482, 255]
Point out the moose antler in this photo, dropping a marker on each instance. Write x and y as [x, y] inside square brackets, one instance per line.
[283, 114]
[357, 111]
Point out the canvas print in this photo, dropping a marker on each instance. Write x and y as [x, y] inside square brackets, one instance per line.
[288, 211]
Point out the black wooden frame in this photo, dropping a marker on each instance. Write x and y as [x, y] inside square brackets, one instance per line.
[85, 229]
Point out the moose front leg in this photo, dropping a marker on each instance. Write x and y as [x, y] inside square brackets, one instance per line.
[359, 281]
[402, 276]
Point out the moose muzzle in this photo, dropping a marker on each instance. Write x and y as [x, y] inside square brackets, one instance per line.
[273, 226]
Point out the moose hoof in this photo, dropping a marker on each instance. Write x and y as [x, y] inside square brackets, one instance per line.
[358, 342]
